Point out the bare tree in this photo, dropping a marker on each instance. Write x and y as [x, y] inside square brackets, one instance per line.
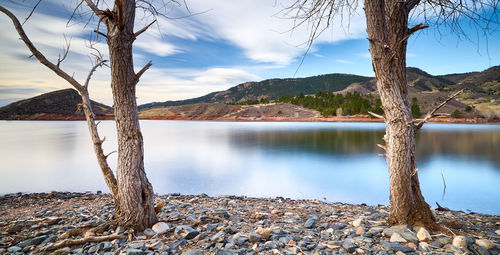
[388, 32]
[130, 188]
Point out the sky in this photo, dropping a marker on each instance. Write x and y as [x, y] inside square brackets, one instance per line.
[220, 45]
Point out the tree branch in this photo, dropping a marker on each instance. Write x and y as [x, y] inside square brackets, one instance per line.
[142, 30]
[376, 115]
[433, 112]
[94, 8]
[141, 72]
[100, 33]
[94, 68]
[32, 11]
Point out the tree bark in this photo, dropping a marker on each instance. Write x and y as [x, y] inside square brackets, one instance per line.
[387, 27]
[134, 207]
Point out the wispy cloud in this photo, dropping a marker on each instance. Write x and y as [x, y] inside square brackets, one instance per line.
[343, 61]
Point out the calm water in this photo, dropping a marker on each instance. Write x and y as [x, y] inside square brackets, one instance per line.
[336, 161]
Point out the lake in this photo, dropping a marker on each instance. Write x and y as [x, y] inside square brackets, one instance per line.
[311, 160]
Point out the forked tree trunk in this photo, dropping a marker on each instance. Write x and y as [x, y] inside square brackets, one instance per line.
[135, 194]
[387, 27]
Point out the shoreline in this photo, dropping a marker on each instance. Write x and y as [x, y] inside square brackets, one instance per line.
[354, 119]
[199, 224]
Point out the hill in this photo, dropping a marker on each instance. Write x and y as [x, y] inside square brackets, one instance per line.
[60, 104]
[272, 89]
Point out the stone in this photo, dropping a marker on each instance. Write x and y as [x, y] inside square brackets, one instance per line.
[356, 223]
[460, 241]
[360, 230]
[487, 244]
[349, 246]
[423, 246]
[177, 244]
[423, 235]
[63, 251]
[389, 246]
[497, 232]
[33, 241]
[264, 232]
[396, 237]
[219, 237]
[480, 250]
[156, 245]
[149, 232]
[310, 223]
[453, 249]
[14, 249]
[93, 249]
[337, 226]
[254, 237]
[137, 245]
[120, 230]
[185, 232]
[192, 252]
[134, 252]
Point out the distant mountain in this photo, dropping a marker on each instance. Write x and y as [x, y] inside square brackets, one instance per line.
[272, 89]
[61, 104]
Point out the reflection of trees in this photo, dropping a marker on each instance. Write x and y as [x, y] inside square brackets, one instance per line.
[315, 141]
[478, 144]
[482, 144]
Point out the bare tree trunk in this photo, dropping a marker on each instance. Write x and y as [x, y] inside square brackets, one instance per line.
[135, 194]
[387, 27]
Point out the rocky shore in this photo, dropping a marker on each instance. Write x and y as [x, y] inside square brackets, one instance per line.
[191, 225]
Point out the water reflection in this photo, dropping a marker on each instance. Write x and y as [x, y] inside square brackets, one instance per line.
[337, 161]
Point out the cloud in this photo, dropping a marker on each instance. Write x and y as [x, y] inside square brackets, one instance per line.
[173, 84]
[343, 61]
[264, 36]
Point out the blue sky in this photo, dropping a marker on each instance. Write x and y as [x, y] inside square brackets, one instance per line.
[227, 43]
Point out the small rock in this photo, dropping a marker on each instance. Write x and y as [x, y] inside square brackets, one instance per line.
[349, 246]
[360, 230]
[460, 241]
[120, 230]
[264, 232]
[396, 237]
[254, 237]
[156, 245]
[14, 249]
[356, 223]
[424, 246]
[480, 250]
[63, 251]
[185, 232]
[137, 245]
[134, 252]
[149, 232]
[310, 223]
[219, 237]
[487, 244]
[192, 252]
[396, 247]
[423, 235]
[497, 232]
[33, 241]
[177, 244]
[338, 226]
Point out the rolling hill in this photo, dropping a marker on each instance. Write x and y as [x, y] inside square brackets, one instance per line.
[60, 104]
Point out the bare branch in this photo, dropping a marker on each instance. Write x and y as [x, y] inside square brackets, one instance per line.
[376, 115]
[142, 30]
[141, 72]
[71, 242]
[94, 8]
[32, 11]
[94, 68]
[100, 33]
[107, 155]
[74, 12]
[433, 112]
[65, 51]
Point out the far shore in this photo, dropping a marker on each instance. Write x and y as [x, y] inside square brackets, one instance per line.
[363, 118]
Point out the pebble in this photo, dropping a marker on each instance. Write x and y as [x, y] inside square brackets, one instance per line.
[161, 228]
[396, 237]
[235, 225]
[487, 244]
[460, 241]
[423, 235]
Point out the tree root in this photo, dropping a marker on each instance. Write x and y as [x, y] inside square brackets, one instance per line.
[69, 242]
[90, 229]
